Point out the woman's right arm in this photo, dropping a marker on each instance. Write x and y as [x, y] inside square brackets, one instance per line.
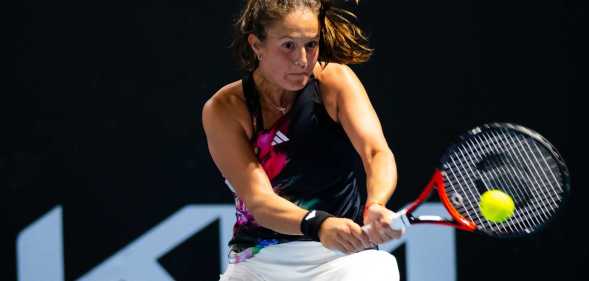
[231, 151]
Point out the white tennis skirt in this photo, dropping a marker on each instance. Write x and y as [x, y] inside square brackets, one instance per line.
[310, 261]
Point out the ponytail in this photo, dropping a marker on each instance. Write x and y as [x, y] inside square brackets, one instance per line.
[341, 41]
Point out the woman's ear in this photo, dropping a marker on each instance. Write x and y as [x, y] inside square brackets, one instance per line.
[254, 43]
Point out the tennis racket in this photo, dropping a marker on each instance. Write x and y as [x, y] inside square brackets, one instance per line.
[508, 157]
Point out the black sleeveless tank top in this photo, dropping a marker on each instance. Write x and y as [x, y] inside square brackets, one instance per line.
[309, 160]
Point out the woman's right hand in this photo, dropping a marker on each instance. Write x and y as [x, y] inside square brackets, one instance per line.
[344, 235]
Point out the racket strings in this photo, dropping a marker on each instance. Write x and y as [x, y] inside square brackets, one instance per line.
[541, 175]
[510, 182]
[473, 213]
[487, 179]
[475, 193]
[514, 178]
[510, 161]
[517, 177]
[533, 177]
[464, 176]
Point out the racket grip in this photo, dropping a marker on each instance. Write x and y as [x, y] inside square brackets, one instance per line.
[398, 222]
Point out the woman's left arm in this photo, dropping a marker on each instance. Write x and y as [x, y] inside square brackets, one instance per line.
[360, 122]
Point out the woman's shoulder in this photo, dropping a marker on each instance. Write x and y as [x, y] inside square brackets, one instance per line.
[333, 78]
[333, 75]
[227, 104]
[227, 96]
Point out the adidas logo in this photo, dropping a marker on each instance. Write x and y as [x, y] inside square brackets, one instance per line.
[279, 138]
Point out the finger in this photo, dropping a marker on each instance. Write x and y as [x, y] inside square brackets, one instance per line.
[353, 243]
[372, 234]
[367, 231]
[385, 223]
[387, 231]
[366, 241]
[355, 237]
[381, 239]
[360, 235]
[390, 235]
[383, 234]
[356, 240]
[394, 233]
[344, 244]
[390, 230]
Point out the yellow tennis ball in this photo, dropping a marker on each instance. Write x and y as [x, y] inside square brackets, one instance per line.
[496, 206]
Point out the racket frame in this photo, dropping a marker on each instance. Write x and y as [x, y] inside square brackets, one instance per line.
[406, 217]
[436, 182]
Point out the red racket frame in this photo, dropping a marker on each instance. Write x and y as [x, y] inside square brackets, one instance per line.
[437, 181]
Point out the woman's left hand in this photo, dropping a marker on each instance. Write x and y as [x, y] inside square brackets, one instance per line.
[379, 217]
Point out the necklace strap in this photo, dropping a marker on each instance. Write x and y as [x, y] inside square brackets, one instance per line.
[281, 109]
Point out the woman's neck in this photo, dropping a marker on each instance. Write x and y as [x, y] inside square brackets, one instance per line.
[275, 95]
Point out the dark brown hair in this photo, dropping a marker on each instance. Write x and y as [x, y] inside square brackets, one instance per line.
[341, 41]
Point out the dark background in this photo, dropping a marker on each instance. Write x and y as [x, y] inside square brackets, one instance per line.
[102, 116]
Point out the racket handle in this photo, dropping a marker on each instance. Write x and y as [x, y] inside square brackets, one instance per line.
[398, 222]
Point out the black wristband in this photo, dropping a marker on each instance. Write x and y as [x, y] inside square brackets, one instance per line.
[311, 223]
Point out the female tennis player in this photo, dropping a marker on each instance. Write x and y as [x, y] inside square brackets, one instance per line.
[287, 138]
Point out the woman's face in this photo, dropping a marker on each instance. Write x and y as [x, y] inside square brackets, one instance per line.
[290, 50]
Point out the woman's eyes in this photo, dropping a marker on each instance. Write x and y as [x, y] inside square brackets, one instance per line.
[291, 45]
[312, 44]
[288, 45]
